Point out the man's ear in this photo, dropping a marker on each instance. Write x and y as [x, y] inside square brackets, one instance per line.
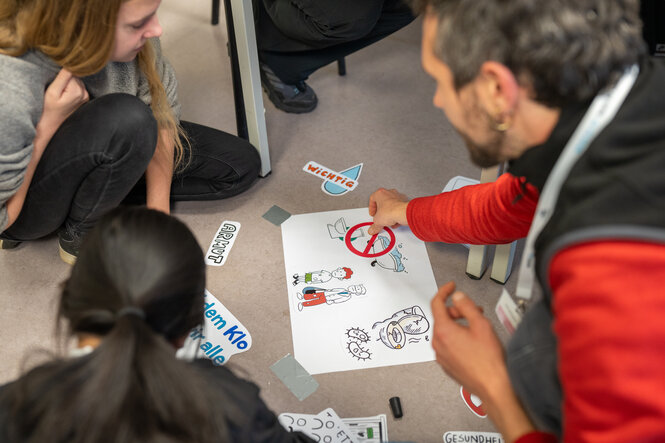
[498, 90]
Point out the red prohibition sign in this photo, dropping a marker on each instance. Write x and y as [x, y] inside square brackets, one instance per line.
[366, 253]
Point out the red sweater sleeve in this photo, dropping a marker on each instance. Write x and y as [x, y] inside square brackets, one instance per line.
[488, 213]
[609, 310]
[537, 437]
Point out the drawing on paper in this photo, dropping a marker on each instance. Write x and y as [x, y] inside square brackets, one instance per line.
[357, 337]
[358, 316]
[338, 230]
[403, 326]
[313, 296]
[357, 334]
[392, 260]
[322, 276]
[356, 350]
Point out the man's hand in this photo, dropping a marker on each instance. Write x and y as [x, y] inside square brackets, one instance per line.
[62, 97]
[388, 207]
[473, 356]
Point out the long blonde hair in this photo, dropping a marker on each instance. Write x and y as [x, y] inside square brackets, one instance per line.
[79, 35]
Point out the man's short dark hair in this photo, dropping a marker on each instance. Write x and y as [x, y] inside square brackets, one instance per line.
[567, 50]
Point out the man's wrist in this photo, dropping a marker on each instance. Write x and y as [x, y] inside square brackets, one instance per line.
[505, 409]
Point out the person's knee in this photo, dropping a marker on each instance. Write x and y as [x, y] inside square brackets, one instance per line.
[246, 170]
[251, 168]
[348, 27]
[318, 22]
[130, 125]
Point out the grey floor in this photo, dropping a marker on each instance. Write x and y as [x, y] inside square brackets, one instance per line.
[380, 114]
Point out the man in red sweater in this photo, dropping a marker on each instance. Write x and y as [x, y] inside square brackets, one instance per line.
[516, 78]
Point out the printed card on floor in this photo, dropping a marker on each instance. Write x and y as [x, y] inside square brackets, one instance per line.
[368, 429]
[221, 245]
[326, 426]
[469, 436]
[356, 301]
[221, 335]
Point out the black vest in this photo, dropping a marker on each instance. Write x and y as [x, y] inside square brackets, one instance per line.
[616, 191]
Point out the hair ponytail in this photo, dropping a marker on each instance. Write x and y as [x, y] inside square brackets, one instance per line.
[130, 389]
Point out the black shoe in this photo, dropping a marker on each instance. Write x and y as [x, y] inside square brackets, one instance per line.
[298, 98]
[8, 244]
[69, 243]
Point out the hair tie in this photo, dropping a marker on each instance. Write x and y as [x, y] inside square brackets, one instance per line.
[131, 310]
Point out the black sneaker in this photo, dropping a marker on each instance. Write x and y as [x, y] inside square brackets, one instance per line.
[8, 244]
[69, 242]
[298, 98]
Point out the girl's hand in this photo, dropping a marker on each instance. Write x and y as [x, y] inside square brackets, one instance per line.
[62, 97]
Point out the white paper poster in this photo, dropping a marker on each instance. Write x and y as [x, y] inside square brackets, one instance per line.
[356, 301]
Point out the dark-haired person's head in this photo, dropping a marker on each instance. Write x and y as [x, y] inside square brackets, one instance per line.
[140, 258]
[500, 65]
[136, 289]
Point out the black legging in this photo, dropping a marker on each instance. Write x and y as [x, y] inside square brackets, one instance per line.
[297, 37]
[99, 155]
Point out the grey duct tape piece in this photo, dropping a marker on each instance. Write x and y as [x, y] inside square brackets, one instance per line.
[276, 215]
[295, 377]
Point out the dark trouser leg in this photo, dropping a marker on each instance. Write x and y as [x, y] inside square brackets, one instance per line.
[322, 23]
[292, 67]
[221, 165]
[314, 299]
[91, 163]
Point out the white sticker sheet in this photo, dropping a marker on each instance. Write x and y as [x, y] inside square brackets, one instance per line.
[219, 337]
[356, 301]
[472, 437]
[325, 427]
[221, 245]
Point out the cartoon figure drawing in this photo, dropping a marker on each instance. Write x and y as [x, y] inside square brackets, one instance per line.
[313, 296]
[402, 326]
[322, 276]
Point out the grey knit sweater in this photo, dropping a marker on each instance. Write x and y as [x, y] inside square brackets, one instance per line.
[23, 81]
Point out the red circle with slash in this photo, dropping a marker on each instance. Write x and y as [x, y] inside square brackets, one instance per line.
[366, 253]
